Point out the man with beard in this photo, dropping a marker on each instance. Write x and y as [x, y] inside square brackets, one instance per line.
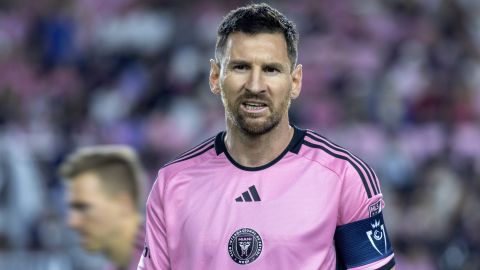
[105, 187]
[264, 194]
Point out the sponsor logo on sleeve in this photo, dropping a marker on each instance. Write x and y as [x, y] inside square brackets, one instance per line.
[244, 246]
[375, 208]
[146, 252]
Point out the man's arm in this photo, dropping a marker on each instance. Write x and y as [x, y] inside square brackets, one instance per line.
[155, 253]
[361, 237]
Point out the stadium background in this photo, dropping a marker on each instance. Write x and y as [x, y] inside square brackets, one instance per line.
[396, 81]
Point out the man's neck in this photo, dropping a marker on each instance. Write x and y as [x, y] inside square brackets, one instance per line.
[255, 151]
[122, 245]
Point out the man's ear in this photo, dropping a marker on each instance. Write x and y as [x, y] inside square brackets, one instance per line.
[296, 82]
[214, 78]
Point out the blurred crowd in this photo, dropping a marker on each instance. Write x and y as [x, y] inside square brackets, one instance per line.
[395, 81]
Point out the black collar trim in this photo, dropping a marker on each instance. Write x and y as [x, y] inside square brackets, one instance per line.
[294, 147]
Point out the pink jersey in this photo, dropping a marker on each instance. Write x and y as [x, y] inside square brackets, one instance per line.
[205, 211]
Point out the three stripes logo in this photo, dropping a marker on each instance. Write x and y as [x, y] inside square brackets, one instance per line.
[250, 195]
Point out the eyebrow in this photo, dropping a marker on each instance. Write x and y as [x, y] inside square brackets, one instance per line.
[276, 65]
[238, 62]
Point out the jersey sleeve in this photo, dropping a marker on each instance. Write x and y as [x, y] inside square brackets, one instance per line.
[361, 238]
[155, 253]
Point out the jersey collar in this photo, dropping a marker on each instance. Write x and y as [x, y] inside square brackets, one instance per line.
[293, 146]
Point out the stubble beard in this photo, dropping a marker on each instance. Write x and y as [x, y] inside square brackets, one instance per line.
[250, 126]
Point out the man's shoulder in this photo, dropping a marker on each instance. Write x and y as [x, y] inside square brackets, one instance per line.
[342, 161]
[323, 151]
[193, 156]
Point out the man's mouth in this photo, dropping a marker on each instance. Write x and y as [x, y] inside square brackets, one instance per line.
[254, 106]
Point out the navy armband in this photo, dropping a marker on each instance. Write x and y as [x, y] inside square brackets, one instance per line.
[362, 242]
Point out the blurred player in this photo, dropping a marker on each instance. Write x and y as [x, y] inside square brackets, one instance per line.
[264, 194]
[105, 187]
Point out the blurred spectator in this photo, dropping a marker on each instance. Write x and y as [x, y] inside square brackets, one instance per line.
[105, 191]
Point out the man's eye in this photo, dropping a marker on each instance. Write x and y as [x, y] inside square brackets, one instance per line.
[271, 70]
[240, 67]
[81, 207]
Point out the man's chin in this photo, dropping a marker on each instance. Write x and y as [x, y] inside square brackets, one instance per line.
[256, 127]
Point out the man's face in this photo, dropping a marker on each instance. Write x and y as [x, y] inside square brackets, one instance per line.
[92, 212]
[255, 81]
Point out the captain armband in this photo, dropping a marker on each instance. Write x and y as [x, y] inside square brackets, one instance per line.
[362, 242]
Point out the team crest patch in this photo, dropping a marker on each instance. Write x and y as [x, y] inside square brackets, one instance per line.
[244, 246]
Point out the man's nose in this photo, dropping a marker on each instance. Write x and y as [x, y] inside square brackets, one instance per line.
[256, 81]
[73, 220]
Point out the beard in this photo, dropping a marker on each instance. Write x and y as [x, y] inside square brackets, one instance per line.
[255, 126]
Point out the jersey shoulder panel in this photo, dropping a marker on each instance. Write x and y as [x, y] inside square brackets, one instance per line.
[341, 161]
[194, 156]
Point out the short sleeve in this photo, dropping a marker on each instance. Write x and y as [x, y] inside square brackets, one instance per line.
[155, 253]
[361, 238]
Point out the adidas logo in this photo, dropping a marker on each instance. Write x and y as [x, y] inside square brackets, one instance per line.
[249, 196]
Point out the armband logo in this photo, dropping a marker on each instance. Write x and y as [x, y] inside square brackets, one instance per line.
[378, 237]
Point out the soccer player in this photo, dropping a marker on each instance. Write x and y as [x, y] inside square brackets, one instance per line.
[264, 194]
[105, 187]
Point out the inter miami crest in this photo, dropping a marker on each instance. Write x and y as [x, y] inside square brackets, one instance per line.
[378, 237]
[245, 246]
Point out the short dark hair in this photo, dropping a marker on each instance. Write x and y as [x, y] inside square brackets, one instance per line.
[118, 167]
[255, 19]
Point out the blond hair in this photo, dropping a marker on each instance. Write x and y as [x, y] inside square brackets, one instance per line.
[118, 167]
